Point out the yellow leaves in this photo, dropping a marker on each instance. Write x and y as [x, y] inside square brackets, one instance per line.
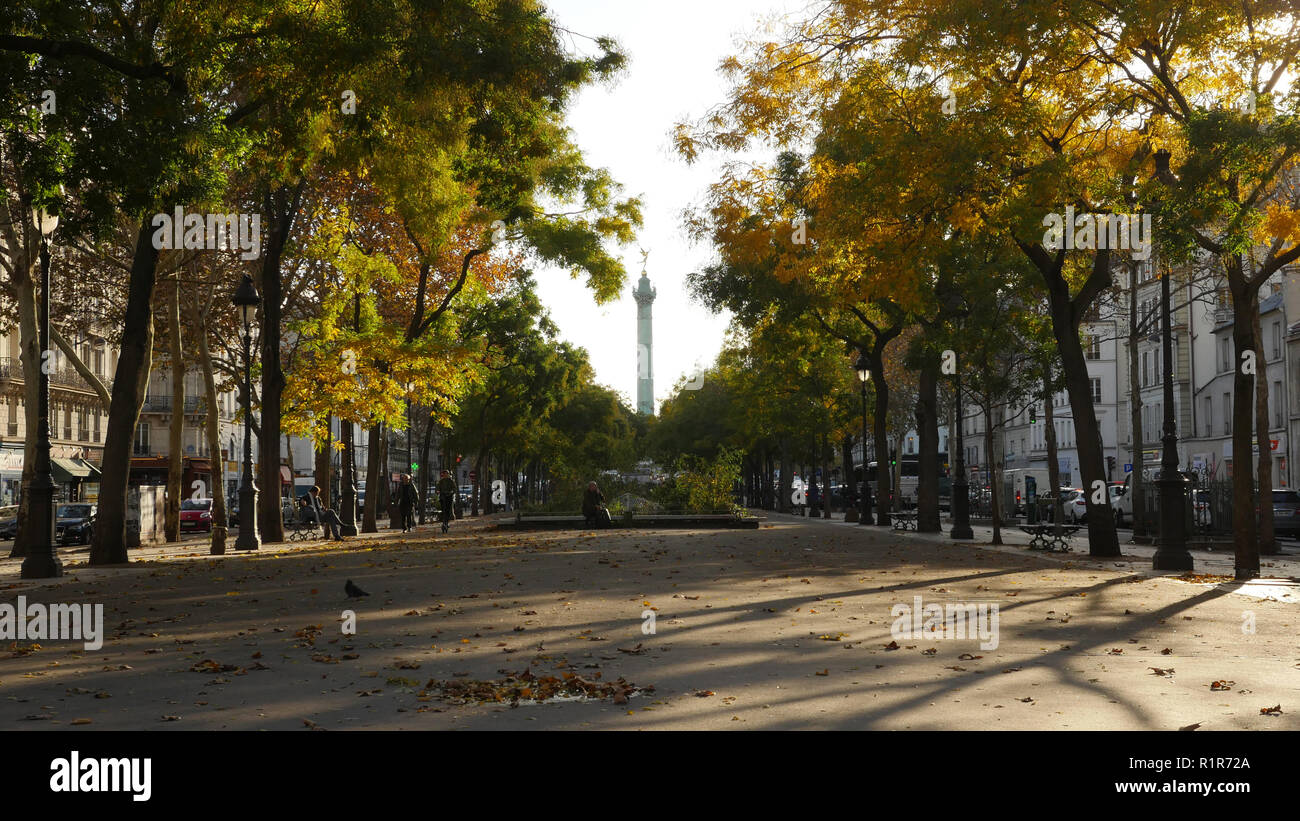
[1279, 222]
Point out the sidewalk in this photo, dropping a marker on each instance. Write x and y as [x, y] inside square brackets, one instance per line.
[75, 558]
[1279, 575]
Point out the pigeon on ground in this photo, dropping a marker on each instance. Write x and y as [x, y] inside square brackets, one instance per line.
[353, 591]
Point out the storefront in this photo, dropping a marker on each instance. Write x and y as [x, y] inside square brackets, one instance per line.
[76, 480]
[11, 473]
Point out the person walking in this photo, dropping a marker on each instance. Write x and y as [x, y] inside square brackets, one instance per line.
[326, 516]
[407, 499]
[446, 499]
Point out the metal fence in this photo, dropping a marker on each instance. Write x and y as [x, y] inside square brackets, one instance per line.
[1207, 505]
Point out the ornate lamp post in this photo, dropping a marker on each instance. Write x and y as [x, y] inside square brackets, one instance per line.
[247, 300]
[42, 561]
[863, 367]
[1171, 553]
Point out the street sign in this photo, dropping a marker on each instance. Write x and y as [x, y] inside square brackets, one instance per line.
[1128, 467]
[473, 475]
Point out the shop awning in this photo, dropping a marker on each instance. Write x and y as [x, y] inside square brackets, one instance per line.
[69, 470]
[286, 478]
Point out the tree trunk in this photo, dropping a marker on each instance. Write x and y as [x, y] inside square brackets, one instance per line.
[324, 450]
[212, 427]
[826, 476]
[1137, 485]
[882, 439]
[783, 501]
[1245, 533]
[373, 478]
[1053, 461]
[424, 466]
[993, 475]
[1102, 538]
[30, 355]
[281, 207]
[1267, 538]
[176, 424]
[927, 431]
[130, 380]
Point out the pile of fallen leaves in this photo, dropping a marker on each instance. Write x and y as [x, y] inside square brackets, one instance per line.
[525, 685]
[1205, 578]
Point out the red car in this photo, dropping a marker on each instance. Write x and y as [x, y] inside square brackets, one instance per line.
[196, 514]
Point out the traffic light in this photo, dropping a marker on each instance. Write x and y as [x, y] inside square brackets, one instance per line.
[1033, 413]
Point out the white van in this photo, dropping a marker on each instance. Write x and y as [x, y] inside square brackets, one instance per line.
[1014, 490]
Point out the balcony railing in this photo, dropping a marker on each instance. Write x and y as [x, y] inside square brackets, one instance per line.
[164, 403]
[12, 369]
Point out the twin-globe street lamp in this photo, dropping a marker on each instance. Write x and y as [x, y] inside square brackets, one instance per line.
[42, 561]
[247, 300]
[863, 367]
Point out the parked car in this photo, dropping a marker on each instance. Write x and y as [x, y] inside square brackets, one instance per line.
[1286, 512]
[74, 523]
[1066, 495]
[196, 514]
[1076, 507]
[8, 522]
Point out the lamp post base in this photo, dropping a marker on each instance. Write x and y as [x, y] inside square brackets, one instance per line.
[248, 538]
[1171, 547]
[42, 566]
[961, 528]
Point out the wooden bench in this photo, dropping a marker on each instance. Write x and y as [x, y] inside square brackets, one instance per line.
[1043, 537]
[903, 521]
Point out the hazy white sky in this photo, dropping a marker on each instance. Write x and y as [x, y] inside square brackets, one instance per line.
[674, 48]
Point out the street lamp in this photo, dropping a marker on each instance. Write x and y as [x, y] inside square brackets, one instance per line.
[960, 501]
[42, 561]
[863, 367]
[1171, 553]
[246, 299]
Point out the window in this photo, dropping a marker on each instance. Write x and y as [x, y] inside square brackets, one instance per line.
[1209, 416]
[13, 417]
[1227, 414]
[96, 439]
[1096, 390]
[1225, 360]
[1275, 397]
[99, 360]
[67, 423]
[83, 425]
[1146, 369]
[1277, 340]
[1092, 349]
[142, 439]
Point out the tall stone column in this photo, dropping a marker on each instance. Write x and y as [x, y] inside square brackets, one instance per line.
[645, 385]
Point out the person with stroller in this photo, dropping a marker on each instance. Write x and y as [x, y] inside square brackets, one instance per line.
[447, 492]
[593, 507]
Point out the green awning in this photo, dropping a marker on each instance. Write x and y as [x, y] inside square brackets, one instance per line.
[69, 470]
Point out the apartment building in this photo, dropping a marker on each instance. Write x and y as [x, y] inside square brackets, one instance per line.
[78, 418]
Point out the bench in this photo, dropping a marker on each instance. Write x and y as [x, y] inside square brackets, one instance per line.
[1043, 537]
[903, 521]
[304, 531]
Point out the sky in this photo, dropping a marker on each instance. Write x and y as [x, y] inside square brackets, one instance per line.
[674, 48]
